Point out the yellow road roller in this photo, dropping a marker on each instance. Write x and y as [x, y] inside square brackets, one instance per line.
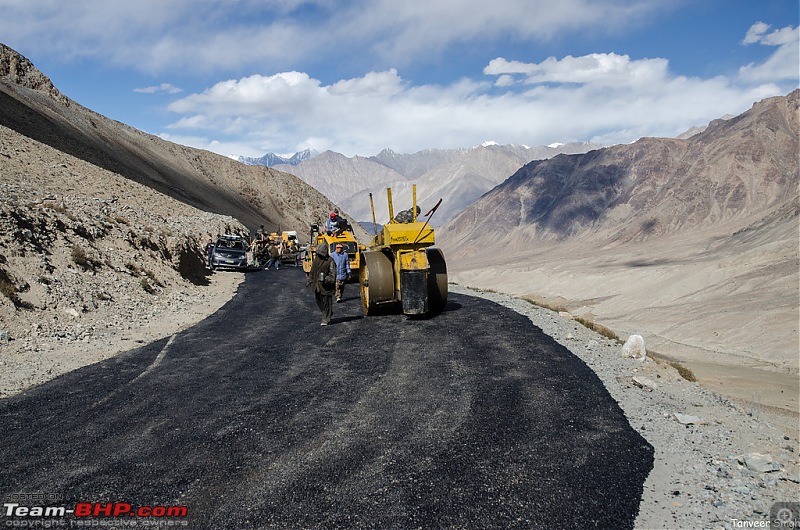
[401, 266]
[345, 238]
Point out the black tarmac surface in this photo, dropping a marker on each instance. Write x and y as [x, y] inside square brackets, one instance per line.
[258, 417]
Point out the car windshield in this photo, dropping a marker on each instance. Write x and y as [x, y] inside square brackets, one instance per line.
[234, 244]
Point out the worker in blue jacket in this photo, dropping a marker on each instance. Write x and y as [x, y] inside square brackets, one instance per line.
[342, 261]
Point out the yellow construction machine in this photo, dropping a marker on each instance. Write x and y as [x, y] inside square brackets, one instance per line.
[344, 237]
[401, 264]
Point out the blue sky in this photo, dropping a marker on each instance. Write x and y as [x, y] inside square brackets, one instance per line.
[246, 77]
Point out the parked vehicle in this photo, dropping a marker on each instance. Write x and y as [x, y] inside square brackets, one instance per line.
[289, 236]
[230, 251]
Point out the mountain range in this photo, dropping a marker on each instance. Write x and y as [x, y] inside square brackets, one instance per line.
[458, 176]
[271, 159]
[693, 242]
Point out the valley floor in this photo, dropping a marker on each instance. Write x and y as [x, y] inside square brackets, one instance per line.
[728, 312]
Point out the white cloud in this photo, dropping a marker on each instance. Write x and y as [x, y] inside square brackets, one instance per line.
[784, 64]
[379, 84]
[597, 68]
[401, 30]
[163, 88]
[256, 96]
[154, 36]
[292, 111]
[602, 97]
[755, 33]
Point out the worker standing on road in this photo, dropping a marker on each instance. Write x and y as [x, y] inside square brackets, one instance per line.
[342, 261]
[274, 257]
[322, 279]
[210, 254]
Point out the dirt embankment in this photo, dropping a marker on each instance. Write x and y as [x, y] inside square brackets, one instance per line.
[92, 263]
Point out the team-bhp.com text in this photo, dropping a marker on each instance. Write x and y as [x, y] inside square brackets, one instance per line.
[94, 514]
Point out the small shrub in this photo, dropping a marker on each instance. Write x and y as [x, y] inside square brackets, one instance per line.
[683, 371]
[55, 205]
[9, 291]
[81, 259]
[599, 329]
[145, 283]
[153, 278]
[543, 305]
[136, 269]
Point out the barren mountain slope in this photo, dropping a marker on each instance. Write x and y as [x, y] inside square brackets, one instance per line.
[458, 176]
[340, 177]
[413, 166]
[255, 195]
[691, 242]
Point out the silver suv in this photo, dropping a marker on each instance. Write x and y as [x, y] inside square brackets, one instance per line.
[231, 252]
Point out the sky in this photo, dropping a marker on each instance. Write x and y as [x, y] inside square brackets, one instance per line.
[248, 77]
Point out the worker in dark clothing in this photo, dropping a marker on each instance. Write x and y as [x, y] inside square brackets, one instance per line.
[322, 279]
[274, 257]
[406, 216]
[210, 254]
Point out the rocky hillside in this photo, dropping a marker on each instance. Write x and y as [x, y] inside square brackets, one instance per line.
[692, 240]
[736, 169]
[85, 254]
[254, 195]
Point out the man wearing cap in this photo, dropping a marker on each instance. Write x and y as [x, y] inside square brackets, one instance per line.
[342, 261]
[333, 225]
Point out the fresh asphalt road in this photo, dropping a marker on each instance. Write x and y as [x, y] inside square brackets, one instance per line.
[258, 417]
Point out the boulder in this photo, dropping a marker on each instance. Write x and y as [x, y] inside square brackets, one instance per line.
[634, 348]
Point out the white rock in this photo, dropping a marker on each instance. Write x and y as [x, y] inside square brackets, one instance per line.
[759, 463]
[686, 419]
[634, 348]
[644, 383]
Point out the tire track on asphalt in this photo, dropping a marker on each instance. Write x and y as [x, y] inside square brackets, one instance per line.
[159, 358]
